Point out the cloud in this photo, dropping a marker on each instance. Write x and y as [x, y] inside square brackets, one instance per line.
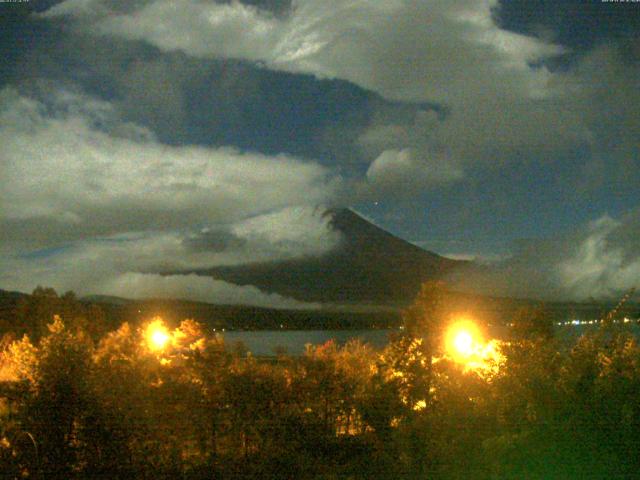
[498, 98]
[289, 233]
[403, 171]
[606, 261]
[601, 260]
[215, 29]
[193, 287]
[209, 102]
[489, 98]
[356, 41]
[605, 88]
[72, 169]
[499, 101]
[131, 264]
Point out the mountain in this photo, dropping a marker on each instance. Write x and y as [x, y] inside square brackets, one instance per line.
[370, 266]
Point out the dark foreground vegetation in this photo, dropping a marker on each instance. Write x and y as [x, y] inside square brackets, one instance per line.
[173, 402]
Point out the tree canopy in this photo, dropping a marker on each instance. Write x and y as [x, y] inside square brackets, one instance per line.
[118, 405]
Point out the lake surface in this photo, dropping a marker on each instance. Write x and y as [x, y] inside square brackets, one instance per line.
[265, 342]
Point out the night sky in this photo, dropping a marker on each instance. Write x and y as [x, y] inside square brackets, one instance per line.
[507, 132]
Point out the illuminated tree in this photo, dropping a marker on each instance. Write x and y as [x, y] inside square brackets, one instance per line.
[58, 377]
[36, 311]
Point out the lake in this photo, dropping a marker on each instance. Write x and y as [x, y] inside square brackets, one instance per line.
[265, 342]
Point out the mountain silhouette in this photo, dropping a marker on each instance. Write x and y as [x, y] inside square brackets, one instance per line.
[370, 266]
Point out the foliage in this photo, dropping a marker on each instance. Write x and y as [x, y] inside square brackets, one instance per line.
[189, 407]
[34, 312]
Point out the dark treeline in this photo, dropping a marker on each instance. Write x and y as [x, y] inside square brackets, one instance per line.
[242, 317]
[80, 400]
[19, 310]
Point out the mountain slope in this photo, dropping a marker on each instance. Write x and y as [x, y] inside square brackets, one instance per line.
[369, 266]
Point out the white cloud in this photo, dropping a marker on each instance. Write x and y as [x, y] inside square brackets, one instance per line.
[498, 107]
[70, 169]
[199, 28]
[601, 260]
[109, 205]
[450, 53]
[193, 287]
[288, 233]
[501, 102]
[129, 265]
[403, 171]
[95, 270]
[78, 9]
[601, 265]
[405, 50]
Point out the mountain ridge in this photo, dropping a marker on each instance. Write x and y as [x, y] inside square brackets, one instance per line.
[370, 265]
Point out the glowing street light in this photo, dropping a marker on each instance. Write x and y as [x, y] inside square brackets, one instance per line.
[463, 340]
[463, 343]
[157, 334]
[159, 339]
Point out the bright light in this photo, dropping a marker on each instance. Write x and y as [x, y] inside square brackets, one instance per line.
[463, 339]
[157, 334]
[159, 339]
[463, 343]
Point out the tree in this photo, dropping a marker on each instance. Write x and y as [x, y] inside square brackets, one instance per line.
[531, 323]
[57, 375]
[36, 311]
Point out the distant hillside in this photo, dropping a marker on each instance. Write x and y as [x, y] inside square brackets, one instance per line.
[487, 310]
[106, 299]
[242, 317]
[115, 310]
[371, 266]
[9, 296]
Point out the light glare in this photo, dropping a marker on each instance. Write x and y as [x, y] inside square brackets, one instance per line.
[159, 339]
[157, 335]
[463, 343]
